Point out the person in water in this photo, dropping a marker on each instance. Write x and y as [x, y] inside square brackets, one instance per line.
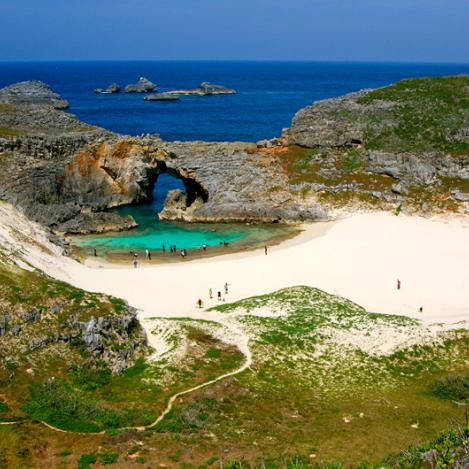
[204, 247]
[94, 252]
[163, 248]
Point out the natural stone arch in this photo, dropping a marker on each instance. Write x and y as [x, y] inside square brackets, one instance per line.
[178, 205]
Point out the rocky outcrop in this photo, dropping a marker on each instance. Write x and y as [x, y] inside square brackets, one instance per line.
[111, 89]
[114, 337]
[96, 222]
[32, 92]
[204, 89]
[142, 86]
[162, 97]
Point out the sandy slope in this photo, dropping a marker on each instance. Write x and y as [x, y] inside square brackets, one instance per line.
[360, 257]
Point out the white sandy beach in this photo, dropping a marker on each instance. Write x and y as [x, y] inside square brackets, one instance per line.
[359, 257]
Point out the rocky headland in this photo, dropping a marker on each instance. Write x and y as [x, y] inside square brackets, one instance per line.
[403, 147]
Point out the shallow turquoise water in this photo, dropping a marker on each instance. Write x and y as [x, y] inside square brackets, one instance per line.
[152, 233]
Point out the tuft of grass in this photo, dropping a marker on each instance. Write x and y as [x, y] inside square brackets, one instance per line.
[455, 388]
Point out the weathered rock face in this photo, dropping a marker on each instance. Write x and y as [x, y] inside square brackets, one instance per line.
[413, 132]
[96, 222]
[111, 89]
[142, 86]
[32, 92]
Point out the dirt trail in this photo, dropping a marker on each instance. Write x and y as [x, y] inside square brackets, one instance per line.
[243, 346]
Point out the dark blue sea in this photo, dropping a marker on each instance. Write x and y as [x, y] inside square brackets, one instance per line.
[269, 93]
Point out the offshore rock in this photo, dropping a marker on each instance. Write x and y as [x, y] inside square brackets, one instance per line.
[32, 92]
[204, 89]
[142, 86]
[162, 97]
[111, 89]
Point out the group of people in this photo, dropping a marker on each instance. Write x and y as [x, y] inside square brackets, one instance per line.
[200, 303]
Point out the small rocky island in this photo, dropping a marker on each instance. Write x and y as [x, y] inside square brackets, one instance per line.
[111, 89]
[143, 85]
[162, 97]
[204, 89]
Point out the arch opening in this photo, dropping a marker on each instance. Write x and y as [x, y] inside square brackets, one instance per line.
[172, 193]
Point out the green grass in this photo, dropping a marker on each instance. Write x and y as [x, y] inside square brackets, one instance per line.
[427, 113]
[454, 388]
[60, 405]
[86, 461]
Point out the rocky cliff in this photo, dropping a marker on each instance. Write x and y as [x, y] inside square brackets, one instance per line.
[404, 144]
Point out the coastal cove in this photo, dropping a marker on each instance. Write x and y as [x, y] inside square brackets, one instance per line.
[152, 234]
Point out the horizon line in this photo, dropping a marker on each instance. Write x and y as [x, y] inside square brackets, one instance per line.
[337, 61]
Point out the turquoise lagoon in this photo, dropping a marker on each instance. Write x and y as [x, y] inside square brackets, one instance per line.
[152, 233]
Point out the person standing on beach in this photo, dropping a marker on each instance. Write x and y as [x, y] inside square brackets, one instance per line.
[183, 254]
[398, 284]
[265, 250]
[163, 249]
[200, 303]
[226, 288]
[149, 255]
[135, 263]
[210, 293]
[219, 296]
[146, 253]
[94, 252]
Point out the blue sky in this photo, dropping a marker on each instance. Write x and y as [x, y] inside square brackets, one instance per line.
[368, 30]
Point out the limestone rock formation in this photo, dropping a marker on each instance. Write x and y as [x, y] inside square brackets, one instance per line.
[64, 173]
[111, 89]
[142, 86]
[96, 222]
[32, 92]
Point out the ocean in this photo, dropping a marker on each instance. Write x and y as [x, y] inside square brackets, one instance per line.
[269, 93]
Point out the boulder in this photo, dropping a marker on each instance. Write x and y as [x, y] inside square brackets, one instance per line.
[142, 86]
